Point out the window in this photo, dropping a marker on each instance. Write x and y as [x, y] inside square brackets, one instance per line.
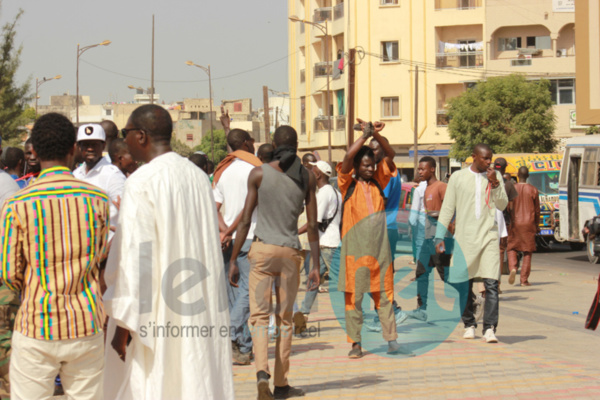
[589, 174]
[390, 107]
[562, 91]
[508, 44]
[539, 42]
[389, 51]
[190, 137]
[520, 62]
[108, 112]
[237, 107]
[388, 2]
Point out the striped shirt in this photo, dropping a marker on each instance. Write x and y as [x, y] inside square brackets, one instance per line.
[53, 236]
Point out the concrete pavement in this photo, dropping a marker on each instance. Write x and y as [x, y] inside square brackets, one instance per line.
[544, 351]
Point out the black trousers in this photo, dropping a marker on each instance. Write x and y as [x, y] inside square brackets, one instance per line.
[490, 309]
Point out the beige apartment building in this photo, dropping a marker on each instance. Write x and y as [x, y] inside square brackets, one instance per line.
[453, 43]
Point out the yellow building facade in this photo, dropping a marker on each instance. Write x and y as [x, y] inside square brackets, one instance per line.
[453, 44]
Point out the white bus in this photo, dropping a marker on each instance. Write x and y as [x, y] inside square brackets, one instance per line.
[579, 190]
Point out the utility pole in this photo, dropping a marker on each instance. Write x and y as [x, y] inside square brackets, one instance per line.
[351, 81]
[152, 72]
[266, 114]
[416, 120]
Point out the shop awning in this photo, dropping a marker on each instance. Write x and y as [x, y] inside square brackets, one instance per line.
[432, 150]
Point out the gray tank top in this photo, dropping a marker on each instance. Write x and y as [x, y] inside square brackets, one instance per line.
[280, 202]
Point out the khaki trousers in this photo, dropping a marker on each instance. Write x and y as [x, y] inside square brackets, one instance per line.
[35, 363]
[354, 315]
[280, 265]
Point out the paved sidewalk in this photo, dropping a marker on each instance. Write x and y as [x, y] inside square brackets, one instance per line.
[544, 351]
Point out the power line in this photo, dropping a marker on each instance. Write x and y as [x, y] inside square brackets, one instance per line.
[194, 81]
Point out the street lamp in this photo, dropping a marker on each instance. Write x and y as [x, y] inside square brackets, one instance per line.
[322, 28]
[80, 51]
[37, 87]
[207, 70]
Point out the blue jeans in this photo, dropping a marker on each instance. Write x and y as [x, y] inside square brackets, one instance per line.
[240, 310]
[325, 258]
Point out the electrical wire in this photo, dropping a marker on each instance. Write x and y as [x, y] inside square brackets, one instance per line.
[194, 81]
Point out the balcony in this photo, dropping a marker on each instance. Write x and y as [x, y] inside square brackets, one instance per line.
[322, 14]
[457, 4]
[323, 69]
[463, 59]
[323, 123]
[338, 11]
[302, 76]
[340, 123]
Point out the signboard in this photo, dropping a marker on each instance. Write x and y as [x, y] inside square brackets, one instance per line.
[573, 121]
[563, 5]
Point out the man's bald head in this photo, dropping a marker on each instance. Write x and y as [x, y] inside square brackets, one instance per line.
[154, 120]
[111, 130]
[523, 174]
[285, 136]
[236, 138]
[481, 147]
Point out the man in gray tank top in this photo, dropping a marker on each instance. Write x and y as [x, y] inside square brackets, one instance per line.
[279, 189]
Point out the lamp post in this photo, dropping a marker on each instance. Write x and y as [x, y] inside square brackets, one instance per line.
[137, 89]
[80, 51]
[322, 28]
[39, 83]
[207, 70]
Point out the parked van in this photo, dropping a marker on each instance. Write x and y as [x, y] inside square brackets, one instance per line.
[579, 188]
[544, 171]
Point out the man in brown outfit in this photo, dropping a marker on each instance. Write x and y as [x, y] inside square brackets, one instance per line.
[525, 225]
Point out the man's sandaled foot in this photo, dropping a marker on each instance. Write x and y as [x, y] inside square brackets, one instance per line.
[356, 351]
[287, 392]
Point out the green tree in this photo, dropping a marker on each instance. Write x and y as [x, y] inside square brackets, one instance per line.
[592, 130]
[13, 96]
[180, 148]
[511, 114]
[220, 145]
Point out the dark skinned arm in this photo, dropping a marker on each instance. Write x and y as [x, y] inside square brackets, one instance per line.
[303, 229]
[313, 233]
[119, 342]
[349, 157]
[254, 181]
[225, 238]
[385, 146]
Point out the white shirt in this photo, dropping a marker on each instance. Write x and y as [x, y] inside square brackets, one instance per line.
[231, 190]
[107, 177]
[8, 187]
[417, 207]
[327, 200]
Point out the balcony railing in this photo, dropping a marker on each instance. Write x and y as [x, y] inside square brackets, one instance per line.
[457, 4]
[302, 76]
[323, 123]
[323, 69]
[322, 14]
[340, 123]
[463, 59]
[338, 11]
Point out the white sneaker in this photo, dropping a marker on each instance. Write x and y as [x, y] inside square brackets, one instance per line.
[418, 314]
[489, 336]
[469, 333]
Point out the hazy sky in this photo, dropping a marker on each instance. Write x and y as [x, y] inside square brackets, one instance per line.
[232, 36]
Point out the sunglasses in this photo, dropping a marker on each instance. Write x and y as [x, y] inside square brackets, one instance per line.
[124, 131]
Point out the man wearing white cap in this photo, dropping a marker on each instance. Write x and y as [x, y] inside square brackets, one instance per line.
[329, 215]
[97, 170]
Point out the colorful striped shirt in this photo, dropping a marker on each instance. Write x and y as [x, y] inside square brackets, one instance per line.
[53, 236]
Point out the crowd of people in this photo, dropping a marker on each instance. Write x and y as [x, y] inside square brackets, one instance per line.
[129, 271]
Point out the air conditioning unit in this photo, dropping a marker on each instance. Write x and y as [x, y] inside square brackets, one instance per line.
[561, 53]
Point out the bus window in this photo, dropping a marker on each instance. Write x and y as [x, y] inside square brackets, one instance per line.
[590, 167]
[545, 182]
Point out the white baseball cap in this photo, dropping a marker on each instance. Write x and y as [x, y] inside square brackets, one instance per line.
[91, 132]
[323, 167]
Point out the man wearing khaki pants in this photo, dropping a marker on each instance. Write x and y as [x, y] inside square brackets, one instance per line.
[278, 189]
